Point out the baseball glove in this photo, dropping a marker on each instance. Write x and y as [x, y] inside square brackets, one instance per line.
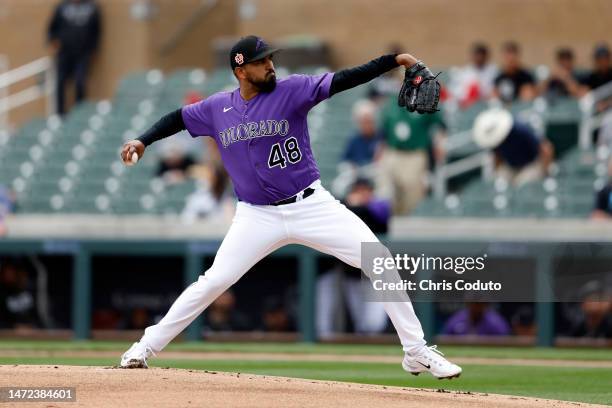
[420, 91]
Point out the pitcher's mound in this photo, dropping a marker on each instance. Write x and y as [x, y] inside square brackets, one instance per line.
[159, 387]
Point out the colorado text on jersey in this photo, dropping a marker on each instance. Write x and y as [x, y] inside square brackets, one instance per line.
[249, 130]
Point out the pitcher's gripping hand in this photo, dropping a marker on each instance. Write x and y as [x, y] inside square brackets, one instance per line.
[420, 91]
[128, 150]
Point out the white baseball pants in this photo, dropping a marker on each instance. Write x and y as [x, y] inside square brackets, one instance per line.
[319, 221]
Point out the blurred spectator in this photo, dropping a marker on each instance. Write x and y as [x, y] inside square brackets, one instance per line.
[367, 317]
[7, 206]
[174, 165]
[514, 82]
[212, 197]
[475, 81]
[521, 156]
[139, 319]
[105, 319]
[523, 321]
[361, 148]
[222, 314]
[594, 319]
[275, 316]
[602, 68]
[73, 33]
[373, 211]
[602, 75]
[17, 304]
[563, 80]
[192, 96]
[603, 199]
[403, 165]
[477, 319]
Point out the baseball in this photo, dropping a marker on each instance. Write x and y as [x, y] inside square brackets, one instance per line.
[133, 159]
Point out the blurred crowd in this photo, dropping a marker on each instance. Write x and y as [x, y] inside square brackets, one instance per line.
[592, 317]
[512, 80]
[224, 315]
[26, 303]
[399, 150]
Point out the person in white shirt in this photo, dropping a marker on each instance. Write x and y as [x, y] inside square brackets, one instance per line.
[475, 81]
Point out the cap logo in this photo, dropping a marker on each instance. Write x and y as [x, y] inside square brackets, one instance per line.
[239, 59]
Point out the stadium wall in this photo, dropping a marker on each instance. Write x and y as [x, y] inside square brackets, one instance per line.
[439, 31]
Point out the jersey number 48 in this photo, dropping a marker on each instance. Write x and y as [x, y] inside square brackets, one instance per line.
[291, 154]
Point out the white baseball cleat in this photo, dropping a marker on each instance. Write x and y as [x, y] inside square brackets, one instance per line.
[430, 359]
[136, 356]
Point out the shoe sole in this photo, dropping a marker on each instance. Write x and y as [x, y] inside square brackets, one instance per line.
[450, 377]
[135, 364]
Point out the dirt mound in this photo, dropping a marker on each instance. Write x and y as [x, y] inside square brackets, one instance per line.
[159, 387]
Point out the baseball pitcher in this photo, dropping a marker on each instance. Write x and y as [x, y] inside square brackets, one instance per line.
[262, 134]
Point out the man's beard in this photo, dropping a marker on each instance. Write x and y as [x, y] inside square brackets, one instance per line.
[267, 85]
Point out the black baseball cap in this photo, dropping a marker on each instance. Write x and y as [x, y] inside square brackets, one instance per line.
[249, 49]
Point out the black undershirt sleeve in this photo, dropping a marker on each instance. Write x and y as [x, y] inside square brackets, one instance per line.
[346, 79]
[167, 126]
[352, 77]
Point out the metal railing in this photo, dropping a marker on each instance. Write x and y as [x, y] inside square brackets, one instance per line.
[4, 66]
[43, 70]
[459, 143]
[591, 119]
[446, 170]
[441, 174]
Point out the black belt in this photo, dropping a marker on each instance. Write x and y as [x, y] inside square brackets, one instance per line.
[305, 193]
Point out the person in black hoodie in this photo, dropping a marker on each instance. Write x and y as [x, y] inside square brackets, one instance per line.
[74, 33]
[17, 296]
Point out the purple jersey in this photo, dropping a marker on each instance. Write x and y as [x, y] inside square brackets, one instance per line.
[264, 142]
